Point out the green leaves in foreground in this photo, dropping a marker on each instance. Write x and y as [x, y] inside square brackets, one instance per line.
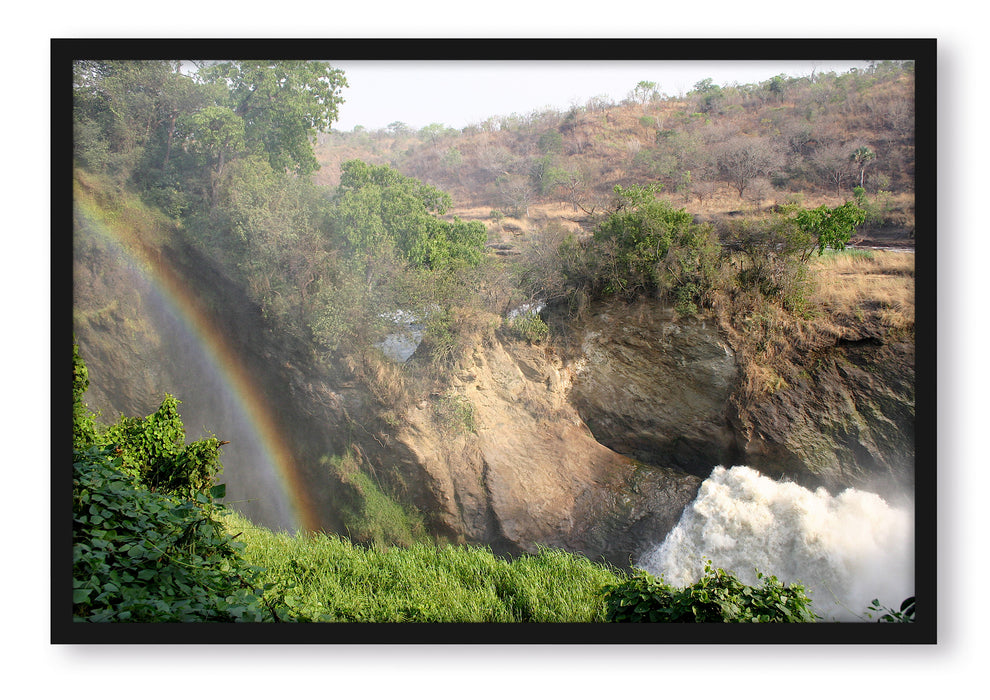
[140, 556]
[717, 597]
[905, 614]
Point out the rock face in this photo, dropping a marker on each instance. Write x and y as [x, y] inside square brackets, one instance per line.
[531, 473]
[656, 387]
[847, 420]
[596, 449]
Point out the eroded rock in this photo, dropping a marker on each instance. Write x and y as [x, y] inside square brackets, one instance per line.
[655, 386]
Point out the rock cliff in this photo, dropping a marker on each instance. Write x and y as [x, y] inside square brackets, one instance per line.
[595, 446]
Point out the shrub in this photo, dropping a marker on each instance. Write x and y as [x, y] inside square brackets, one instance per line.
[648, 246]
[718, 597]
[529, 327]
[139, 556]
[147, 545]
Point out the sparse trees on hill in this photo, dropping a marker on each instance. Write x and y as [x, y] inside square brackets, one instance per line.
[741, 159]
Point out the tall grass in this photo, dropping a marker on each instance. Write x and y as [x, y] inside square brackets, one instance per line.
[327, 578]
[867, 285]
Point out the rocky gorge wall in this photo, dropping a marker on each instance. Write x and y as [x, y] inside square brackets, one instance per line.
[595, 446]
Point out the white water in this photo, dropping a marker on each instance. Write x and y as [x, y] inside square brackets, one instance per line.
[846, 549]
[400, 346]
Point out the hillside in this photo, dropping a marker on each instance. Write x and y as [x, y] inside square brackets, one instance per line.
[719, 151]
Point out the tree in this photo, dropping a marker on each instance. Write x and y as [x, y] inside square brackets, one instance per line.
[827, 227]
[283, 104]
[645, 91]
[861, 157]
[216, 134]
[743, 158]
[124, 109]
[377, 209]
[710, 96]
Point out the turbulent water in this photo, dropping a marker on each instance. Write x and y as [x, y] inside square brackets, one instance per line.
[846, 549]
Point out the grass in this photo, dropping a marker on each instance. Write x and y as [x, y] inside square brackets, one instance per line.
[852, 294]
[866, 286]
[328, 578]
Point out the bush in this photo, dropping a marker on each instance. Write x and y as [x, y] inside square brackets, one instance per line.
[772, 260]
[648, 246]
[147, 545]
[139, 556]
[529, 327]
[153, 448]
[718, 597]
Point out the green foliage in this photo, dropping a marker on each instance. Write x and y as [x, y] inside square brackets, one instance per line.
[710, 96]
[550, 142]
[140, 556]
[282, 105]
[83, 423]
[328, 578]
[379, 212]
[772, 262]
[717, 597]
[153, 448]
[147, 545]
[826, 227]
[369, 514]
[776, 249]
[647, 245]
[529, 326]
[454, 413]
[885, 614]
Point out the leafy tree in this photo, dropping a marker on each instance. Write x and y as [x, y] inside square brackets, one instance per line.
[776, 249]
[825, 227]
[776, 86]
[710, 96]
[717, 597]
[645, 91]
[126, 113]
[217, 135]
[378, 210]
[283, 104]
[550, 142]
[273, 227]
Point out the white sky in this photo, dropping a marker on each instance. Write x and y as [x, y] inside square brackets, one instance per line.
[458, 93]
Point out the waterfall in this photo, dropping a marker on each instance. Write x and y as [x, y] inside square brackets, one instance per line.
[846, 549]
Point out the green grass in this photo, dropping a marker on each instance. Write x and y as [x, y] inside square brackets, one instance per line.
[328, 578]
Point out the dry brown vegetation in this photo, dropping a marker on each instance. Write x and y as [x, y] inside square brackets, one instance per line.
[853, 295]
[721, 151]
[872, 288]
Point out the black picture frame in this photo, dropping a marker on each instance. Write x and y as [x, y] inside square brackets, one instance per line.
[923, 51]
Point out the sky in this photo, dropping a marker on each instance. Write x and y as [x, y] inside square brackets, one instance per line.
[456, 94]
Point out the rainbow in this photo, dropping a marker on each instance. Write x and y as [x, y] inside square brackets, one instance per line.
[277, 459]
